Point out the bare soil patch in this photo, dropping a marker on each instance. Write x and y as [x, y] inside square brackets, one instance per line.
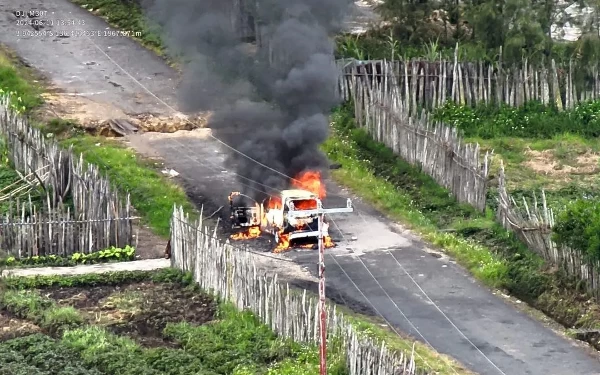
[546, 163]
[140, 311]
[95, 117]
[12, 327]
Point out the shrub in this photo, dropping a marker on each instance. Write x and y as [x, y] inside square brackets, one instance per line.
[532, 120]
[578, 227]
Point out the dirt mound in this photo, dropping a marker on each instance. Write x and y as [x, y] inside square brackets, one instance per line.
[545, 162]
[12, 327]
[107, 120]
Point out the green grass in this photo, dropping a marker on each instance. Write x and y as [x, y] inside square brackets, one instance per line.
[474, 239]
[152, 194]
[18, 79]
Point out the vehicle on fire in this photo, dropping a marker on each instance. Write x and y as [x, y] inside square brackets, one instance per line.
[241, 214]
[290, 216]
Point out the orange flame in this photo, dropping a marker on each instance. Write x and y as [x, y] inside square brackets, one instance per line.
[274, 203]
[252, 232]
[305, 204]
[284, 243]
[311, 181]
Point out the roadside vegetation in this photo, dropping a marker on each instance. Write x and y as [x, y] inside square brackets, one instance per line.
[127, 16]
[112, 254]
[484, 30]
[152, 194]
[142, 323]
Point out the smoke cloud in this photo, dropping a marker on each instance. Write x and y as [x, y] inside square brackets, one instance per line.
[270, 102]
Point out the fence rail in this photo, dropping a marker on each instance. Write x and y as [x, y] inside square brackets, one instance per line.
[429, 84]
[81, 212]
[232, 274]
[434, 147]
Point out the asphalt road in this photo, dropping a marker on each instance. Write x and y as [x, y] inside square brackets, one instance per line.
[376, 267]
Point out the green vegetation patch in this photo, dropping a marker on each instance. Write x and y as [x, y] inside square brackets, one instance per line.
[112, 254]
[152, 195]
[38, 354]
[100, 317]
[491, 253]
[19, 81]
[532, 120]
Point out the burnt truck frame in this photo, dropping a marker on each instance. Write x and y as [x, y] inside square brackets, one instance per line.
[241, 215]
[284, 219]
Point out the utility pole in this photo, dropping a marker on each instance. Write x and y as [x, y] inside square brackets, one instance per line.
[320, 213]
[323, 313]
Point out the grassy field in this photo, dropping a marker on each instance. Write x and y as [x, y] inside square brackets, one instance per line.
[540, 146]
[142, 323]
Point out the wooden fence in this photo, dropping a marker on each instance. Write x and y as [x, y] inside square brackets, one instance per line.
[429, 84]
[532, 223]
[436, 148]
[232, 274]
[98, 218]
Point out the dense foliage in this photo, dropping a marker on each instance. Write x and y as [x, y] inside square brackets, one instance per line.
[578, 227]
[112, 254]
[533, 120]
[519, 28]
[40, 355]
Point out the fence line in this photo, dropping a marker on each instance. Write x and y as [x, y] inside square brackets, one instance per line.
[532, 223]
[429, 84]
[80, 212]
[436, 148]
[232, 274]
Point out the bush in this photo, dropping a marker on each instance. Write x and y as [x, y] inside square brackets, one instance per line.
[532, 120]
[578, 227]
[40, 355]
[112, 254]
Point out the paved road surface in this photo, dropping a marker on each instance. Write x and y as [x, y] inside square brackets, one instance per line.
[426, 295]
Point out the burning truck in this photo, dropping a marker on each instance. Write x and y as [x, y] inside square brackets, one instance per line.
[290, 217]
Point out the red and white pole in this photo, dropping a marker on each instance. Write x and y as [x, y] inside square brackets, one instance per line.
[323, 314]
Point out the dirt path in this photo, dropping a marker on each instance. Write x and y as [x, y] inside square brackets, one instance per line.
[378, 265]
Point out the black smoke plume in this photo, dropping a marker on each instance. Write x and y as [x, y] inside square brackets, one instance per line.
[271, 98]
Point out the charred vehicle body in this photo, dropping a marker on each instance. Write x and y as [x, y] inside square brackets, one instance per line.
[292, 215]
[243, 214]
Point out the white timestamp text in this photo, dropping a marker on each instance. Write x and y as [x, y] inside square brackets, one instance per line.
[76, 33]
